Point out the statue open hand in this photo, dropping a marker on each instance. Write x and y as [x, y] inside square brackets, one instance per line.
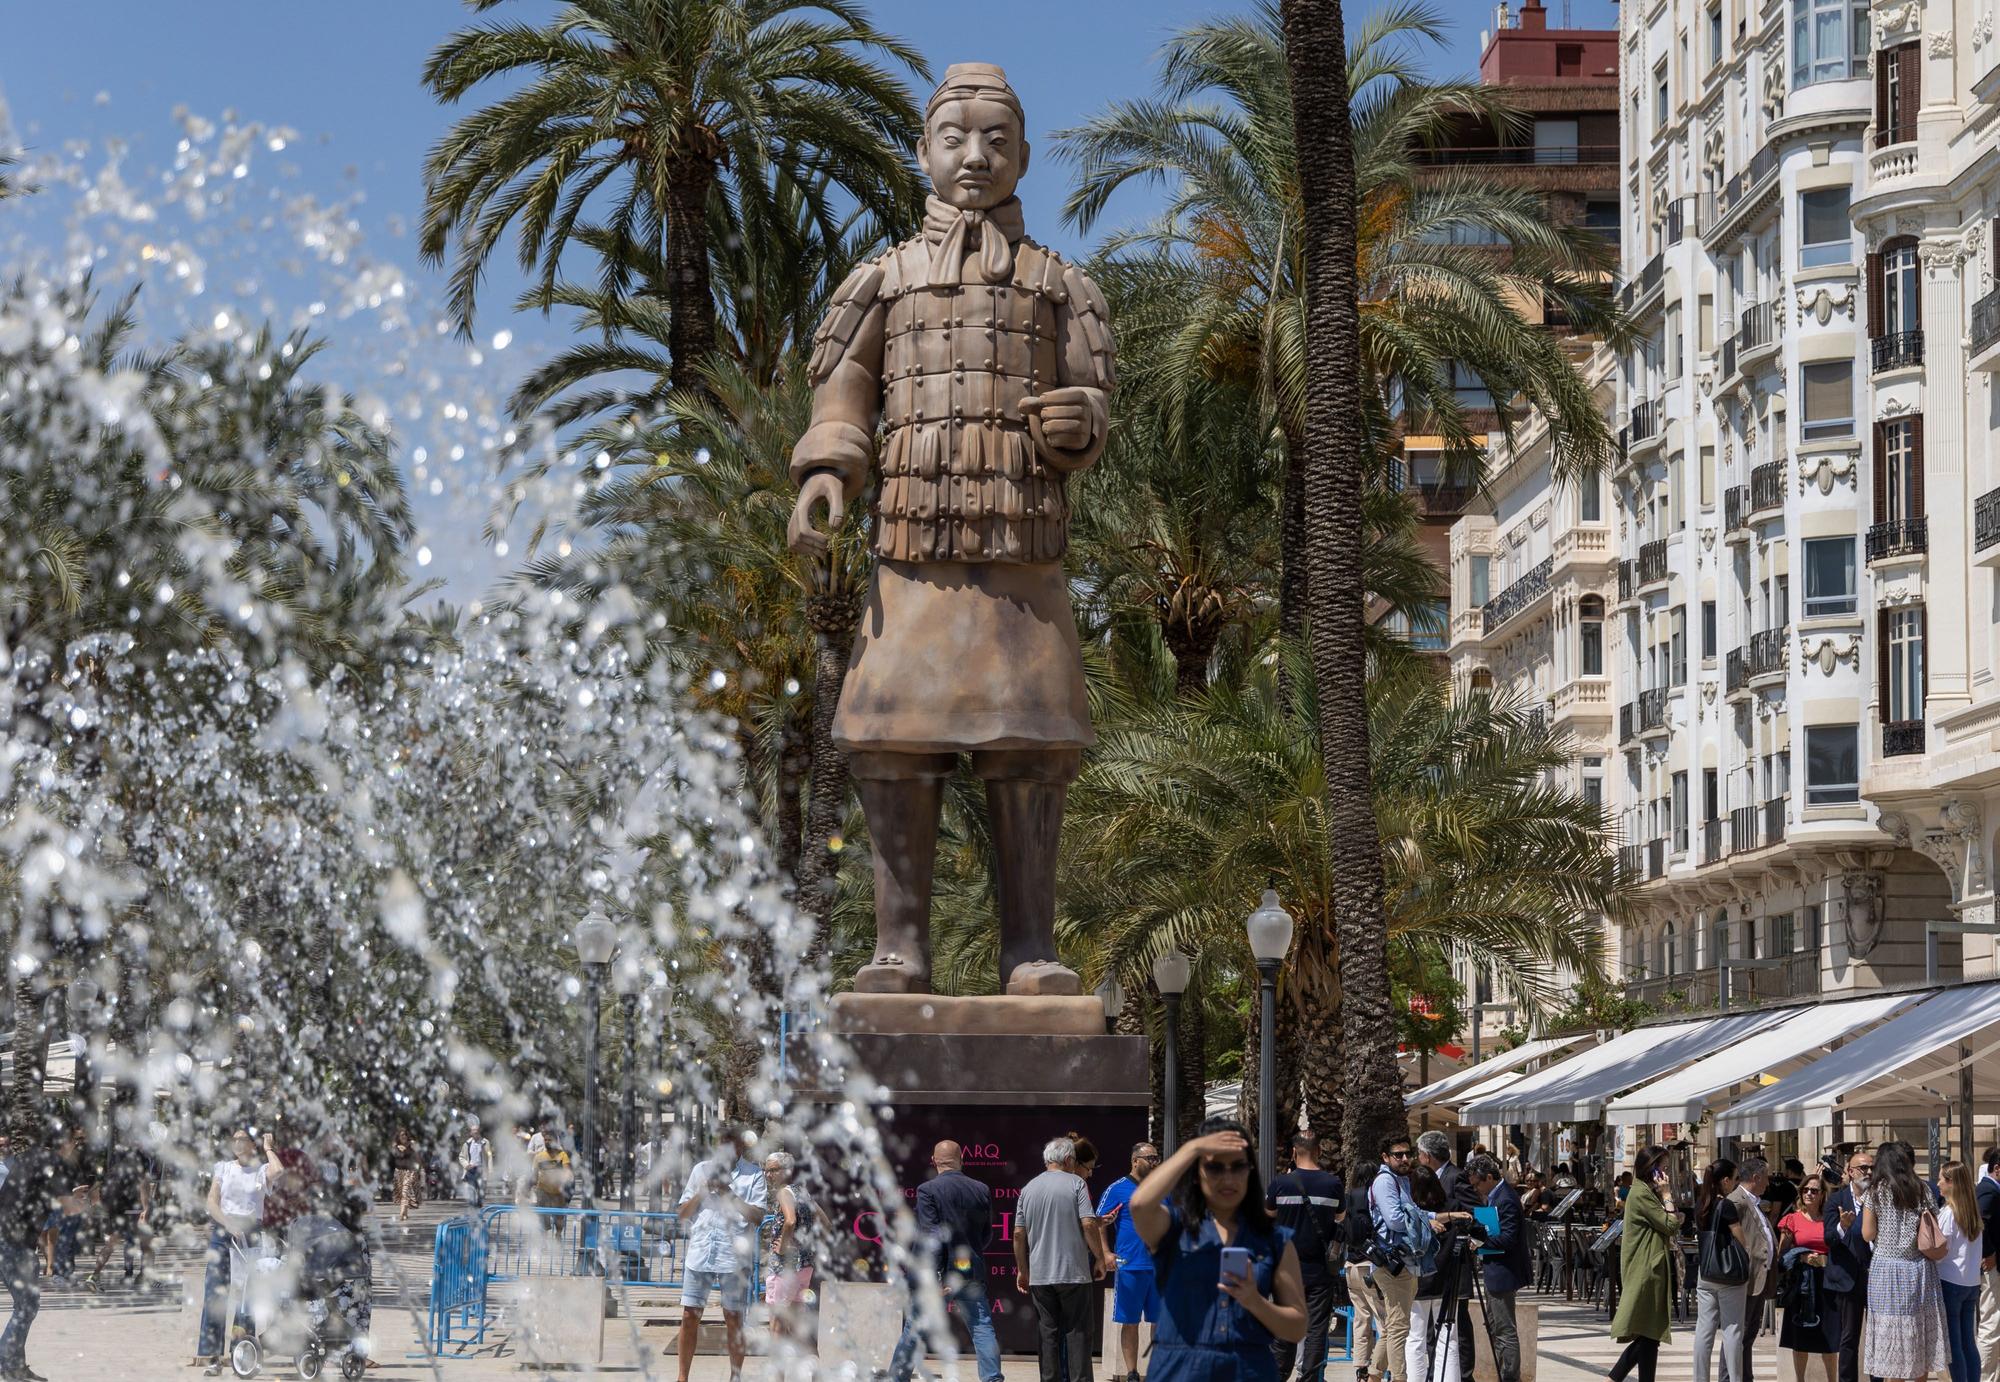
[1066, 417]
[821, 487]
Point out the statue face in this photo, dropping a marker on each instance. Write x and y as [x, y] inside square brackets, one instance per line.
[975, 152]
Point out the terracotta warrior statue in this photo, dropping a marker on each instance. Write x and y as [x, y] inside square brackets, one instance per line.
[975, 368]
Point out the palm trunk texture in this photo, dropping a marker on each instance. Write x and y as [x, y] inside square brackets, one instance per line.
[1316, 55]
[690, 290]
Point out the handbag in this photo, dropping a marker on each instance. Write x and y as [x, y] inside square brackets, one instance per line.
[1723, 1260]
[1931, 1242]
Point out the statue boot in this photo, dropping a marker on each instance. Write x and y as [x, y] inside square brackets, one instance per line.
[901, 795]
[1025, 790]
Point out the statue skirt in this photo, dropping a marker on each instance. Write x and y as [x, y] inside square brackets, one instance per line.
[955, 656]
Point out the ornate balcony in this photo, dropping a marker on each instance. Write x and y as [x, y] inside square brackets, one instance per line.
[1628, 722]
[1902, 737]
[1645, 422]
[1653, 711]
[1769, 652]
[1986, 520]
[1742, 829]
[1986, 323]
[1518, 596]
[1652, 562]
[1711, 841]
[1767, 487]
[1774, 820]
[1656, 859]
[1736, 672]
[1626, 583]
[1683, 219]
[1758, 327]
[1630, 860]
[1735, 508]
[1898, 537]
[1649, 278]
[1897, 349]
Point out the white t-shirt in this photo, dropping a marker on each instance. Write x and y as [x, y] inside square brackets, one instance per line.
[241, 1190]
[1959, 1266]
[474, 1155]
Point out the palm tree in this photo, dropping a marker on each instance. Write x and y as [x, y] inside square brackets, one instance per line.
[640, 116]
[1219, 276]
[1316, 57]
[1188, 806]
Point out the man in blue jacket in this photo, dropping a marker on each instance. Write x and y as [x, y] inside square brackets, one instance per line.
[1989, 1268]
[1508, 1269]
[1847, 1258]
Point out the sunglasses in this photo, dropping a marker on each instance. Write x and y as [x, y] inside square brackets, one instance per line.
[1226, 1168]
[1403, 1155]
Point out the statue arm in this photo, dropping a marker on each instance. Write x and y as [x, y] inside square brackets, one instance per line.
[1088, 360]
[846, 373]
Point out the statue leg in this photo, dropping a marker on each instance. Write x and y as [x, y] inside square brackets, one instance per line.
[900, 795]
[1025, 789]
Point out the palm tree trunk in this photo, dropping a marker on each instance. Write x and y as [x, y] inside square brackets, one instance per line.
[826, 806]
[1193, 1044]
[1316, 56]
[690, 292]
[1320, 1042]
[1292, 592]
[794, 751]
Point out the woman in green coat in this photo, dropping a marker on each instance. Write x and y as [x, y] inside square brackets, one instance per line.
[1645, 1302]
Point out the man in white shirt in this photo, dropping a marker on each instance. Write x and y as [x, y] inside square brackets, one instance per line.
[728, 1198]
[236, 1212]
[475, 1163]
[1753, 1177]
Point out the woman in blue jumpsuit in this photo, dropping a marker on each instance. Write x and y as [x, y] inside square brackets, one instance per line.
[1212, 1328]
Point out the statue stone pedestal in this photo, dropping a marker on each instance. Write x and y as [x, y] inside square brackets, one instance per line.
[1000, 1077]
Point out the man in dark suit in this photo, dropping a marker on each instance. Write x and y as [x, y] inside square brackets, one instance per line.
[954, 1225]
[1508, 1269]
[1434, 1151]
[1847, 1258]
[1989, 1268]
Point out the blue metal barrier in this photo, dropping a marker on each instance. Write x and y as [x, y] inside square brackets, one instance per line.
[513, 1243]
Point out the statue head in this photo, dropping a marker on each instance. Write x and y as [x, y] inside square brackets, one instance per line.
[975, 145]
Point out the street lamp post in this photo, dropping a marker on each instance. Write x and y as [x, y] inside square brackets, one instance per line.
[1170, 977]
[596, 941]
[628, 978]
[1270, 928]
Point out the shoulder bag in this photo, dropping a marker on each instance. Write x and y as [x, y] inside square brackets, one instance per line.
[1931, 1242]
[1723, 1260]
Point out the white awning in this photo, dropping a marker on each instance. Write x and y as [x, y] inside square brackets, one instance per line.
[1462, 1083]
[1578, 1088]
[1683, 1097]
[1906, 1067]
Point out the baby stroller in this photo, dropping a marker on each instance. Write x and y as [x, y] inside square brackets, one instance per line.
[308, 1304]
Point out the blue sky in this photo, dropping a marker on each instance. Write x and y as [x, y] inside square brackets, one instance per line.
[340, 86]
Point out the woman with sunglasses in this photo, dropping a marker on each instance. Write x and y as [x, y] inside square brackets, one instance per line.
[1811, 1326]
[1217, 1325]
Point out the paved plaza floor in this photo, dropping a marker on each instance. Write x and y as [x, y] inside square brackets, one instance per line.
[138, 1335]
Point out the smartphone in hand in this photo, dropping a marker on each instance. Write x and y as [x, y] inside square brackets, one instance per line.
[1235, 1265]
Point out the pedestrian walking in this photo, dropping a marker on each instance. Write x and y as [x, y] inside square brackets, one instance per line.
[551, 1179]
[408, 1164]
[1058, 1252]
[1643, 1320]
[36, 1179]
[724, 1195]
[237, 1189]
[1432, 1354]
[1959, 1223]
[1848, 1256]
[1229, 1277]
[1508, 1268]
[1988, 1191]
[475, 1164]
[1368, 1324]
[1309, 1200]
[125, 1200]
[1391, 1208]
[954, 1229]
[794, 1232]
[1135, 1292]
[1811, 1316]
[1753, 1178]
[1434, 1151]
[1722, 1274]
[1904, 1337]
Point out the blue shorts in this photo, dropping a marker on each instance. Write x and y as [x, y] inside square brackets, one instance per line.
[1135, 1298]
[733, 1286]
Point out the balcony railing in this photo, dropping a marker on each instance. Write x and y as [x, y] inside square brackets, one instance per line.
[1740, 188]
[1652, 561]
[1736, 671]
[1628, 722]
[1518, 596]
[1897, 349]
[1757, 327]
[1652, 710]
[1743, 829]
[1735, 507]
[1902, 737]
[1774, 820]
[1767, 487]
[1656, 858]
[1898, 537]
[1648, 279]
[1986, 520]
[1645, 421]
[1683, 219]
[1986, 321]
[1631, 858]
[1728, 357]
[1768, 650]
[1711, 841]
[1626, 568]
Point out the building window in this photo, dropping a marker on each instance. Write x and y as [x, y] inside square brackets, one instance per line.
[1829, 399]
[1709, 636]
[1826, 236]
[1711, 795]
[1680, 644]
[1781, 935]
[1899, 470]
[1659, 98]
[1468, 388]
[1718, 940]
[1555, 141]
[1829, 576]
[1833, 765]
[1898, 290]
[1478, 567]
[1680, 789]
[1591, 646]
[1829, 40]
[1428, 630]
[1670, 950]
[1897, 94]
[1813, 929]
[1670, 345]
[1903, 665]
[1708, 477]
[1482, 679]
[1590, 499]
[1715, 36]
